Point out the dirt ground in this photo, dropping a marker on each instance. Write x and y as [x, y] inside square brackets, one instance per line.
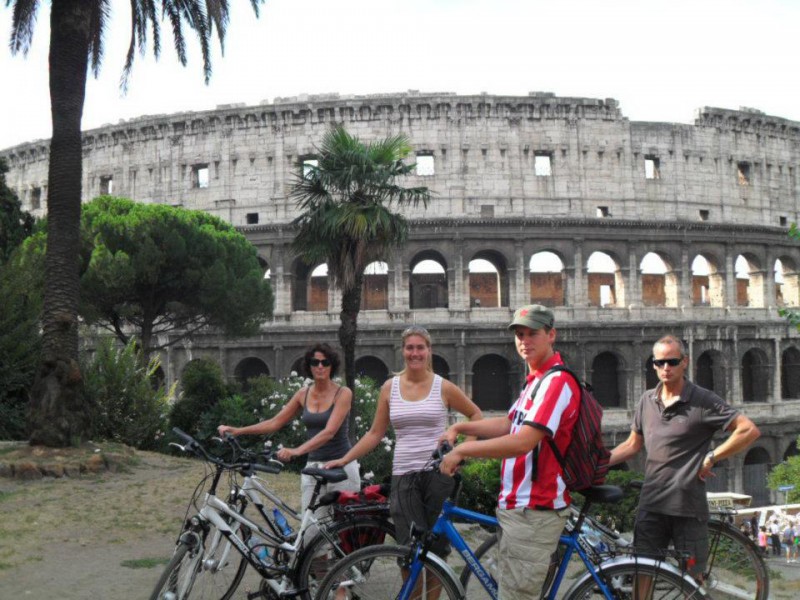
[105, 535]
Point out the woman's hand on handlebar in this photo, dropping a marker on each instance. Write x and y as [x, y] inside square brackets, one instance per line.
[451, 462]
[223, 429]
[286, 454]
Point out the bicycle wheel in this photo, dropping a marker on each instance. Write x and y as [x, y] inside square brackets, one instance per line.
[339, 539]
[221, 569]
[488, 557]
[377, 572]
[735, 568]
[626, 579]
[178, 575]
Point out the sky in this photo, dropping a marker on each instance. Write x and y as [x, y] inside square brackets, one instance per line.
[661, 60]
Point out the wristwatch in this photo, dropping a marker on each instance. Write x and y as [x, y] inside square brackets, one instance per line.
[710, 456]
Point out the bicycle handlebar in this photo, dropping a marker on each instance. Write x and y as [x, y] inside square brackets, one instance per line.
[193, 446]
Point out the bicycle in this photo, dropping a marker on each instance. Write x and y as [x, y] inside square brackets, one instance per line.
[204, 564]
[735, 569]
[403, 572]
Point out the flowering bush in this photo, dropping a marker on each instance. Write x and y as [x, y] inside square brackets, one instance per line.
[267, 396]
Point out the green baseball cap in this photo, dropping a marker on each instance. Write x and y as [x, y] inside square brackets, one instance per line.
[533, 316]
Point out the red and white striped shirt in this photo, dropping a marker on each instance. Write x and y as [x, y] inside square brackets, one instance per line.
[554, 410]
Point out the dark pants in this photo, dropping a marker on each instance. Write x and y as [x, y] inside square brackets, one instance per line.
[653, 533]
[417, 498]
[776, 543]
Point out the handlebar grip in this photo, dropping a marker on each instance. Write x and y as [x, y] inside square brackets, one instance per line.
[183, 435]
[272, 469]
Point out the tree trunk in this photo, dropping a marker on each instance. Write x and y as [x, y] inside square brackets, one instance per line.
[57, 415]
[348, 331]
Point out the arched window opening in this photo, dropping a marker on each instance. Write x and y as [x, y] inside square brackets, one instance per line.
[249, 368]
[755, 376]
[372, 367]
[375, 290]
[659, 283]
[749, 283]
[491, 389]
[428, 285]
[440, 367]
[756, 467]
[790, 374]
[787, 283]
[484, 284]
[318, 289]
[606, 380]
[606, 285]
[707, 287]
[650, 375]
[547, 279]
[791, 450]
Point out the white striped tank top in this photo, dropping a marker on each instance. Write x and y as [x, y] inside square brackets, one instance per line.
[417, 426]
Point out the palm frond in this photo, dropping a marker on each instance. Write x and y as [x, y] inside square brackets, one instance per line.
[23, 21]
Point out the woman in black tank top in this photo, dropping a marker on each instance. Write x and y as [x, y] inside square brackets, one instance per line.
[324, 407]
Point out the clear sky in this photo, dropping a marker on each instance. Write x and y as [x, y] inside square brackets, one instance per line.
[660, 59]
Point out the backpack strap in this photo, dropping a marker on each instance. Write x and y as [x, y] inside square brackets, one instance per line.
[535, 457]
[550, 440]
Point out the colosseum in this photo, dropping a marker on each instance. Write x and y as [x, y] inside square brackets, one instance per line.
[628, 229]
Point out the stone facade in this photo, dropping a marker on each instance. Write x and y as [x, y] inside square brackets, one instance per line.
[529, 192]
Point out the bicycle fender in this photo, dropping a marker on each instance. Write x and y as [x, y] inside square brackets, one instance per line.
[626, 560]
[440, 562]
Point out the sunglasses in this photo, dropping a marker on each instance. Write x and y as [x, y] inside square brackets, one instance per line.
[315, 362]
[672, 362]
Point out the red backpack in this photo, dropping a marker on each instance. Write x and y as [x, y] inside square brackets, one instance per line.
[586, 461]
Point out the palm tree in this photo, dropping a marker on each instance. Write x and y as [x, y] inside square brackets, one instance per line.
[57, 415]
[347, 221]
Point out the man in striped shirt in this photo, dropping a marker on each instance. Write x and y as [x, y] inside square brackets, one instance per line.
[534, 501]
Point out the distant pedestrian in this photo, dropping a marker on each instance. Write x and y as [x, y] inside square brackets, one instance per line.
[762, 540]
[775, 536]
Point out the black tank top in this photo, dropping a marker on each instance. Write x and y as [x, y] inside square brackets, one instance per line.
[315, 422]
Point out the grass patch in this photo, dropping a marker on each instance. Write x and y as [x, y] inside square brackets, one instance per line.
[144, 563]
[6, 495]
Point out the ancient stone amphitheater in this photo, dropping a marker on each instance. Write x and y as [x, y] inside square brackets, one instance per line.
[628, 229]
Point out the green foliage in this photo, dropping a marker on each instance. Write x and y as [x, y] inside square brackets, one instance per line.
[162, 269]
[787, 473]
[127, 408]
[480, 485]
[15, 223]
[20, 343]
[203, 386]
[379, 461]
[623, 513]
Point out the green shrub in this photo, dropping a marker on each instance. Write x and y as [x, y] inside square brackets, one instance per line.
[126, 407]
[202, 385]
[480, 485]
[378, 463]
[621, 515]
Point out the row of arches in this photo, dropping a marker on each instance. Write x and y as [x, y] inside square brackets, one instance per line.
[491, 376]
[606, 282]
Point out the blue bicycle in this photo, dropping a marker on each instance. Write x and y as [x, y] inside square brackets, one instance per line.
[412, 572]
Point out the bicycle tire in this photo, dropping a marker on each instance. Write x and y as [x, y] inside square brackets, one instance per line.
[621, 579]
[735, 569]
[340, 539]
[376, 573]
[486, 554]
[175, 574]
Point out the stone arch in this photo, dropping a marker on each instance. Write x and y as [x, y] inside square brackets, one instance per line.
[709, 372]
[491, 384]
[605, 283]
[790, 373]
[755, 376]
[754, 473]
[372, 367]
[749, 281]
[787, 282]
[607, 380]
[375, 289]
[547, 278]
[249, 368]
[428, 286]
[441, 367]
[659, 281]
[791, 450]
[488, 280]
[707, 282]
[310, 290]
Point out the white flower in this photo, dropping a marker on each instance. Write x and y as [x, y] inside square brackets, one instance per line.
[272, 405]
[369, 475]
[358, 418]
[387, 448]
[293, 374]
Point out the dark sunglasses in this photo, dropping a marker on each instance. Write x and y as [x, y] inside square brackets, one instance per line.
[315, 362]
[672, 362]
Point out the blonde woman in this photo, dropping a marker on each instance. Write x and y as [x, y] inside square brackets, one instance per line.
[415, 403]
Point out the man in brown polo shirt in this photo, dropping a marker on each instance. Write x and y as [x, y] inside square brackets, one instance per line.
[675, 423]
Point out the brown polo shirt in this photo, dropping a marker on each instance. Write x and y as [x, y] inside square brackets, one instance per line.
[677, 439]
